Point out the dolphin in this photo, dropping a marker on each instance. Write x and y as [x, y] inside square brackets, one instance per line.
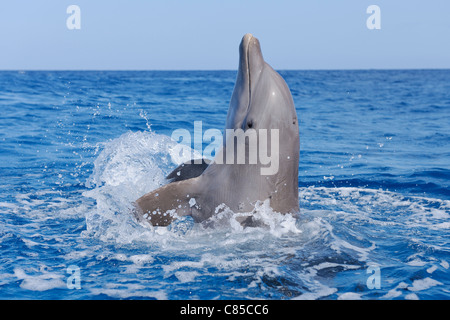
[261, 103]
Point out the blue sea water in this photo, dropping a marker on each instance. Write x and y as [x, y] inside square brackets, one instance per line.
[76, 148]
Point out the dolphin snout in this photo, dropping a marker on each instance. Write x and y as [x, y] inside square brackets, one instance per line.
[246, 40]
[251, 56]
[250, 50]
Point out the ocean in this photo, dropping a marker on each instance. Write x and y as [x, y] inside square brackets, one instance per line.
[78, 147]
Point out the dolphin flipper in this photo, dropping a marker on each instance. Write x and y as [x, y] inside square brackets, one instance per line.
[188, 170]
[161, 206]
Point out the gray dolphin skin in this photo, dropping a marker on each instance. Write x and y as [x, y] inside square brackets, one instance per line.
[261, 100]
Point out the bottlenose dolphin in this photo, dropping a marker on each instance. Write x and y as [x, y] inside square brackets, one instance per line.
[261, 103]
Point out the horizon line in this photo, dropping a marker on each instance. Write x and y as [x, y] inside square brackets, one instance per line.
[231, 70]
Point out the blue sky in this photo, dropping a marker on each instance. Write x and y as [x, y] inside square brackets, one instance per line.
[205, 34]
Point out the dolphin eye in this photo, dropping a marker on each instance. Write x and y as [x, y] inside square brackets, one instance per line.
[249, 124]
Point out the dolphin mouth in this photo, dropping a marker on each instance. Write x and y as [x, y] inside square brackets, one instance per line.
[248, 38]
[245, 57]
[251, 61]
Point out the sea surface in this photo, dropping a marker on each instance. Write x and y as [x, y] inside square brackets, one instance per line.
[77, 148]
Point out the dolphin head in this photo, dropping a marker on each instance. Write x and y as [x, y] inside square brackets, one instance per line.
[261, 98]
